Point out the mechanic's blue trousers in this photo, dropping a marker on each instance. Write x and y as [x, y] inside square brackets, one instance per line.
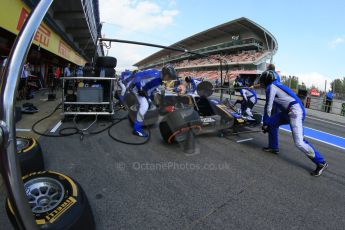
[295, 118]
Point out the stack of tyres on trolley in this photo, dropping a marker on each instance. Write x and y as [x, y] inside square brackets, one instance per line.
[56, 200]
[105, 67]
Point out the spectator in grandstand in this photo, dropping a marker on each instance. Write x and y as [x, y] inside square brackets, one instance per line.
[145, 84]
[192, 84]
[329, 100]
[291, 112]
[249, 99]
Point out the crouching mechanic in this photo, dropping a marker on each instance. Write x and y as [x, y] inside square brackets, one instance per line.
[145, 84]
[291, 111]
[192, 84]
[249, 99]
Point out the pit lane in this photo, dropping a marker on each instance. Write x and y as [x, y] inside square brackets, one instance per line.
[230, 186]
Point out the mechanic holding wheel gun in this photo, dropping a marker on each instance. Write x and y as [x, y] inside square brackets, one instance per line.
[291, 111]
[145, 85]
[192, 84]
[249, 99]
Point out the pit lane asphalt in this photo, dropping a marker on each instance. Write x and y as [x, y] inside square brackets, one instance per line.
[236, 185]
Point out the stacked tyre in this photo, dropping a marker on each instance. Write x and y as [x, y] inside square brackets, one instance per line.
[56, 201]
[105, 66]
[30, 155]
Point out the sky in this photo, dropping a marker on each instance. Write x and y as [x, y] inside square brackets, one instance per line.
[310, 33]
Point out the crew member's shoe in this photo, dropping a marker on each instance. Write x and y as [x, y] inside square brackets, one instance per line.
[319, 169]
[138, 131]
[249, 118]
[270, 150]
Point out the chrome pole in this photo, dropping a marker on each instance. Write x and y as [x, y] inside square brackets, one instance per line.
[9, 163]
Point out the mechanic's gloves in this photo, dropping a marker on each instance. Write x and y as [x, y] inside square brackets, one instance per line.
[141, 93]
[265, 128]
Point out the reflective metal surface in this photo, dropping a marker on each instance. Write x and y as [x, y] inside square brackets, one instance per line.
[9, 163]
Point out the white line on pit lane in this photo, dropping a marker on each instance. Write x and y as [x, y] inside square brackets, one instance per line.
[23, 130]
[313, 138]
[244, 140]
[313, 118]
[329, 122]
[56, 127]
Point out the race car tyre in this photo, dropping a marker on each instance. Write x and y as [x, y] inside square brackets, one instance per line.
[57, 202]
[258, 118]
[108, 72]
[106, 62]
[151, 116]
[30, 155]
[165, 131]
[130, 100]
[205, 89]
[177, 122]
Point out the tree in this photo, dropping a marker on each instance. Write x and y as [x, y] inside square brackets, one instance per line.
[338, 87]
[291, 81]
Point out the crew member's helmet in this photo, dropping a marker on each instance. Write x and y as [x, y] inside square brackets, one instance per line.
[238, 84]
[188, 79]
[267, 77]
[168, 73]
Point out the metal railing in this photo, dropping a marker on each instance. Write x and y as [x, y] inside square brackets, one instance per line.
[9, 163]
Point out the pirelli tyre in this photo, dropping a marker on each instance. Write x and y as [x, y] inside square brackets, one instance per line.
[151, 116]
[175, 124]
[30, 155]
[106, 62]
[57, 202]
[130, 100]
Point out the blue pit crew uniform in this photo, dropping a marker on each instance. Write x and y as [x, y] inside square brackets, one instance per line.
[125, 79]
[291, 111]
[249, 100]
[145, 84]
[192, 85]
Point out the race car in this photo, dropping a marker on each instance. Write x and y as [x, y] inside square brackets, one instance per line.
[199, 112]
[179, 113]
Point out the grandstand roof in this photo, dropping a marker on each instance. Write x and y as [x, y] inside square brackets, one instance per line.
[213, 35]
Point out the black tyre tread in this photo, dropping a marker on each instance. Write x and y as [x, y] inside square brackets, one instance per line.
[106, 62]
[109, 72]
[165, 131]
[31, 158]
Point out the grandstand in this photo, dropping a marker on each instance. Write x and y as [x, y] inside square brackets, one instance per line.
[243, 46]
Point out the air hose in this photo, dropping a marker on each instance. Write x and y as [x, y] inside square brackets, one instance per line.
[70, 131]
